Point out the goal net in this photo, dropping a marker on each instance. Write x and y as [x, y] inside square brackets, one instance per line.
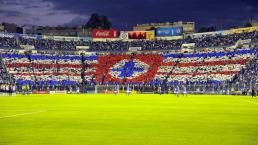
[106, 89]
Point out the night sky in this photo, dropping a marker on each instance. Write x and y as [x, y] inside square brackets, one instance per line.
[126, 13]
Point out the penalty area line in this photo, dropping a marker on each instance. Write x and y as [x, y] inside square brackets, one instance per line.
[22, 114]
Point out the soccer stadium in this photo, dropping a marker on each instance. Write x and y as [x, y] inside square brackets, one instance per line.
[164, 86]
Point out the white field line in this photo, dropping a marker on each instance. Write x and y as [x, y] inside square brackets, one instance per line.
[23, 114]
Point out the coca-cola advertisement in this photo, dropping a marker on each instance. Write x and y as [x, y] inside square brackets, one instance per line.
[96, 33]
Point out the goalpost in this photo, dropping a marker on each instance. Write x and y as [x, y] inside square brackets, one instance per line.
[106, 89]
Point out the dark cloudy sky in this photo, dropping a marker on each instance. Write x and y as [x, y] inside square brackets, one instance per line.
[126, 13]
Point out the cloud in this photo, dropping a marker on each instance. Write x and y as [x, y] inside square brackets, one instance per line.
[51, 13]
[10, 13]
[76, 21]
[38, 12]
[124, 13]
[204, 12]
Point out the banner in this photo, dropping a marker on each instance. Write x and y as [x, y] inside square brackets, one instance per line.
[135, 49]
[27, 47]
[199, 35]
[65, 38]
[137, 35]
[150, 35]
[243, 30]
[242, 42]
[82, 47]
[40, 92]
[6, 35]
[96, 33]
[25, 36]
[165, 32]
[58, 92]
[188, 46]
[123, 35]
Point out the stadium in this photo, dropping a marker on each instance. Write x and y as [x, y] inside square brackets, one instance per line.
[157, 87]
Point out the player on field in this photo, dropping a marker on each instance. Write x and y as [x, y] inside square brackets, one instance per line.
[128, 92]
[253, 93]
[159, 90]
[6, 89]
[185, 91]
[176, 91]
[14, 89]
[116, 90]
[10, 90]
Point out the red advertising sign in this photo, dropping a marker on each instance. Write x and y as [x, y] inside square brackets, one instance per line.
[137, 35]
[40, 92]
[96, 33]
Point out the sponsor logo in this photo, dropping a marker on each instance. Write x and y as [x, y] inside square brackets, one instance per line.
[102, 34]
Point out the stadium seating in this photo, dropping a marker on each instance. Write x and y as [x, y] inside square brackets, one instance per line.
[202, 42]
[51, 69]
[124, 68]
[5, 78]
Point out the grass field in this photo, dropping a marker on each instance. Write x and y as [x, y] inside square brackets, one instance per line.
[128, 120]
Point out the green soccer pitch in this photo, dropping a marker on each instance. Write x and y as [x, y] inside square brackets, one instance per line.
[128, 120]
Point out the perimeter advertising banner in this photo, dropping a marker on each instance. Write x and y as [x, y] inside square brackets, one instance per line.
[123, 35]
[65, 38]
[96, 33]
[137, 35]
[82, 47]
[6, 35]
[243, 30]
[150, 35]
[167, 32]
[135, 49]
[27, 47]
[25, 36]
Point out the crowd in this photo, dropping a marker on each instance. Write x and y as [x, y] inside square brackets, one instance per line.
[52, 44]
[42, 71]
[248, 77]
[56, 69]
[6, 81]
[8, 42]
[212, 69]
[200, 42]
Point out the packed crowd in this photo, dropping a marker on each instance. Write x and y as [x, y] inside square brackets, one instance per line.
[55, 70]
[248, 77]
[43, 71]
[8, 42]
[5, 78]
[51, 69]
[51, 44]
[202, 42]
[6, 81]
[218, 66]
